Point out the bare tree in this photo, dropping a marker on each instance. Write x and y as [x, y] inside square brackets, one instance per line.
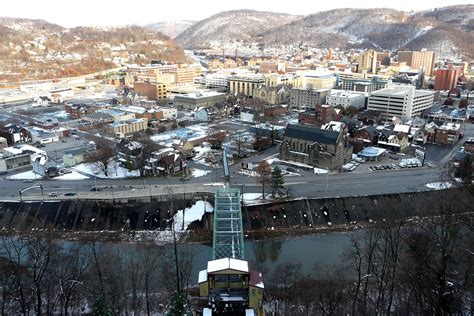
[264, 172]
[102, 156]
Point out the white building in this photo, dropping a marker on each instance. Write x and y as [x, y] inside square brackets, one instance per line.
[400, 101]
[346, 99]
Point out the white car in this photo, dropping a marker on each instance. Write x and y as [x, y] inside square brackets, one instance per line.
[52, 194]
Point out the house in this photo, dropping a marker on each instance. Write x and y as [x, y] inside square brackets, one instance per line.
[205, 114]
[448, 134]
[247, 115]
[172, 164]
[78, 110]
[430, 130]
[15, 134]
[420, 137]
[129, 152]
[74, 157]
[368, 134]
[327, 149]
[42, 101]
[469, 145]
[45, 166]
[396, 141]
[369, 117]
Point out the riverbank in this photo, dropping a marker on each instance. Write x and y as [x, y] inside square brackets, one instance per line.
[136, 222]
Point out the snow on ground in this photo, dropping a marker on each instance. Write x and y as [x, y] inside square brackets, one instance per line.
[194, 213]
[293, 163]
[196, 173]
[115, 171]
[439, 185]
[255, 198]
[320, 171]
[28, 175]
[74, 175]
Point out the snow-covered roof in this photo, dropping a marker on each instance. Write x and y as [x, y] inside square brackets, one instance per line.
[402, 128]
[227, 264]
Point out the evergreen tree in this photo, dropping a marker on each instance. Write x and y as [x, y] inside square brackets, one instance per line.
[277, 181]
[177, 305]
[100, 308]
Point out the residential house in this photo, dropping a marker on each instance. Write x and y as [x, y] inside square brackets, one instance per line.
[172, 164]
[430, 130]
[205, 114]
[15, 134]
[369, 117]
[327, 149]
[420, 136]
[469, 145]
[42, 101]
[247, 115]
[448, 134]
[78, 110]
[390, 139]
[74, 157]
[129, 152]
[45, 166]
[368, 134]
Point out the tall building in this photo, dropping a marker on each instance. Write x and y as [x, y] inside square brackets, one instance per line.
[400, 101]
[421, 60]
[447, 78]
[153, 91]
[368, 61]
[307, 98]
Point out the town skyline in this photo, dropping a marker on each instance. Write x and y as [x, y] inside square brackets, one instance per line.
[183, 10]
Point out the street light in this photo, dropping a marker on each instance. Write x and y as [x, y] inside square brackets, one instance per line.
[184, 179]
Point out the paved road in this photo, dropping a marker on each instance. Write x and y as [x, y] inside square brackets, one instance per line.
[330, 185]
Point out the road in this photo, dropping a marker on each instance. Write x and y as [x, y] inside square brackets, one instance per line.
[311, 186]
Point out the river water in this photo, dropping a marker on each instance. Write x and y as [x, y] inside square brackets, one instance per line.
[325, 249]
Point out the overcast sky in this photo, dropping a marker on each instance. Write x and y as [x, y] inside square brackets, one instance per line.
[119, 12]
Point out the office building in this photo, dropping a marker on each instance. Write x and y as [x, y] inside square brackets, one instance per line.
[192, 101]
[346, 99]
[307, 98]
[420, 60]
[368, 62]
[400, 101]
[245, 84]
[447, 78]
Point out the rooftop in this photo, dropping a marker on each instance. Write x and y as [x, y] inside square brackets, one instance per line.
[311, 134]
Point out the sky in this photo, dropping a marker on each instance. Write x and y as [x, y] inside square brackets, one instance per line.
[121, 12]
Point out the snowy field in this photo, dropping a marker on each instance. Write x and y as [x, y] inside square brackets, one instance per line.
[194, 213]
[28, 175]
[115, 171]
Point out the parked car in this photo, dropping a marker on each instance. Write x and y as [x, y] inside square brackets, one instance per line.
[69, 193]
[96, 189]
